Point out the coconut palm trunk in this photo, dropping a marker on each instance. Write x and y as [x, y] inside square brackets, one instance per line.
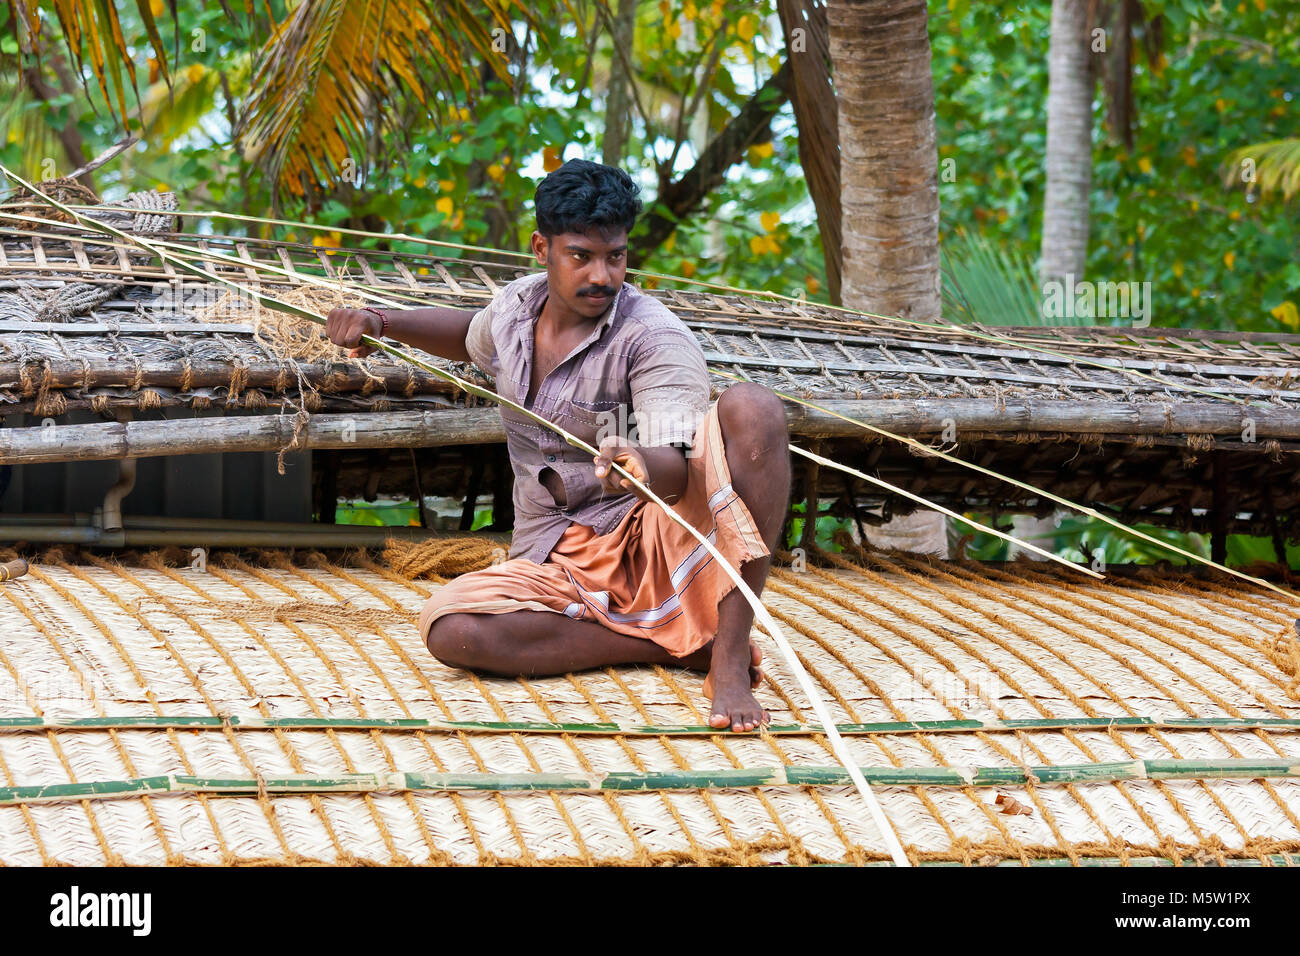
[880, 51]
[880, 54]
[1069, 143]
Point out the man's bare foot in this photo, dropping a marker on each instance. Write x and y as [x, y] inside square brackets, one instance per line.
[738, 708]
[735, 705]
[755, 671]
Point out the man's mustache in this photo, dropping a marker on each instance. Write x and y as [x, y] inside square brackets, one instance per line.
[596, 290]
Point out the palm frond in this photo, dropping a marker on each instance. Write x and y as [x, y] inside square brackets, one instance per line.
[986, 284]
[329, 70]
[93, 29]
[1276, 167]
[23, 121]
[169, 112]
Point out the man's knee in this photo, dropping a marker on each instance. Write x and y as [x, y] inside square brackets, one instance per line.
[458, 640]
[752, 413]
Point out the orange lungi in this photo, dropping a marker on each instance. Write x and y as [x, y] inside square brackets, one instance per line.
[647, 578]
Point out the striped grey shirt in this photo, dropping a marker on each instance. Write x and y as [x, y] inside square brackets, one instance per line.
[640, 368]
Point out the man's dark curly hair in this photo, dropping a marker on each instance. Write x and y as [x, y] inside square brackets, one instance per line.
[581, 195]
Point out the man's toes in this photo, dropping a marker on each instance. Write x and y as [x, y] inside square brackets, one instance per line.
[718, 720]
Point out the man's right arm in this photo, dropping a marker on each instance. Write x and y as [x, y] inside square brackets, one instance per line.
[438, 331]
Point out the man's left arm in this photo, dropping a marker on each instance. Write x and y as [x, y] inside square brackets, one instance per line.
[670, 395]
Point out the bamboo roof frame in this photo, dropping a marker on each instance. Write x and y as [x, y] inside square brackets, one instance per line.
[1149, 409]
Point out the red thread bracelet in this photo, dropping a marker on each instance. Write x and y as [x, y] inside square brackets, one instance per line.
[383, 320]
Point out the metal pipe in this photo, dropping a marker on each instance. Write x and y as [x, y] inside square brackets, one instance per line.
[11, 524]
[249, 536]
[112, 508]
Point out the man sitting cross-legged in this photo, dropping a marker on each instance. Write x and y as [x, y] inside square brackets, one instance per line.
[598, 575]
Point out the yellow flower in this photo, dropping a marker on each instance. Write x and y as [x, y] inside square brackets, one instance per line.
[670, 243]
[446, 185]
[746, 27]
[1288, 315]
[497, 173]
[551, 159]
[156, 7]
[194, 72]
[759, 152]
[770, 221]
[1178, 269]
[687, 268]
[456, 138]
[675, 29]
[690, 11]
[1234, 215]
[1228, 259]
[444, 205]
[757, 244]
[1189, 155]
[1144, 164]
[1220, 104]
[812, 285]
[419, 182]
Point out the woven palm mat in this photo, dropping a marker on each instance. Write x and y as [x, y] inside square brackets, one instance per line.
[897, 639]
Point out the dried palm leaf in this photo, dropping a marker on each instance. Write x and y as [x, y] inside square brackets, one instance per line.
[325, 75]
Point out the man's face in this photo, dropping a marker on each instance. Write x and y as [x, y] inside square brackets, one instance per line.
[583, 270]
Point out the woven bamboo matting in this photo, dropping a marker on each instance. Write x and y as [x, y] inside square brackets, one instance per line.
[894, 639]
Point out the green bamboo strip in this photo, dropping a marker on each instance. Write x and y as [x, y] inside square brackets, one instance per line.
[607, 729]
[633, 781]
[761, 614]
[948, 327]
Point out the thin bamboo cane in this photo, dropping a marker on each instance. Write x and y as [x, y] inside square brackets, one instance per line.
[880, 482]
[1065, 502]
[947, 327]
[727, 778]
[611, 729]
[761, 613]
